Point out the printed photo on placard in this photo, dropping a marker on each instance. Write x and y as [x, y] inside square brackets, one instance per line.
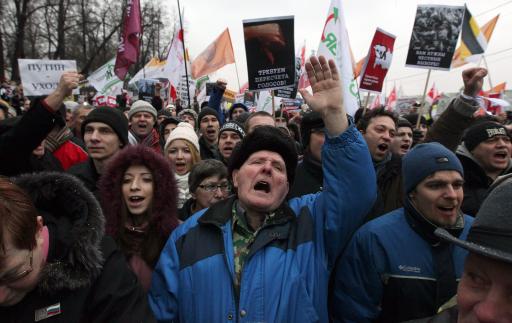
[378, 63]
[434, 36]
[269, 47]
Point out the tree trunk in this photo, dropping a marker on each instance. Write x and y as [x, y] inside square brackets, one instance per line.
[19, 43]
[60, 51]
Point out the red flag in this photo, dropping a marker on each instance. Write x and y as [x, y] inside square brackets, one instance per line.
[128, 50]
[376, 102]
[433, 94]
[391, 101]
[303, 79]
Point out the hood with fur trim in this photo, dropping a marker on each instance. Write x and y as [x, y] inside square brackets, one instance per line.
[164, 210]
[76, 225]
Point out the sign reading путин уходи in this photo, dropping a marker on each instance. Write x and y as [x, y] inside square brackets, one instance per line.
[41, 76]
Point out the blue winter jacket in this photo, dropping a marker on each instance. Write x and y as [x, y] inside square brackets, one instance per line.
[387, 272]
[285, 275]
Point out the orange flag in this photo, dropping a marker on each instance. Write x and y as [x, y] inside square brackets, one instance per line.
[215, 56]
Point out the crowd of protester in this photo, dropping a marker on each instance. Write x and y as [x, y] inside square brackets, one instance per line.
[178, 214]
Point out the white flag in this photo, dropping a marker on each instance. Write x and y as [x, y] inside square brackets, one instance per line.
[175, 67]
[105, 81]
[335, 45]
[264, 102]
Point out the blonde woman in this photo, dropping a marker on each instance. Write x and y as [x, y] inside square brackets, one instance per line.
[182, 149]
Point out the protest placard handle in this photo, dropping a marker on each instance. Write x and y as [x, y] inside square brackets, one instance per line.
[420, 113]
[273, 104]
[365, 107]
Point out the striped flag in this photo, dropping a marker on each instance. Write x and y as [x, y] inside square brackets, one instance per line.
[474, 40]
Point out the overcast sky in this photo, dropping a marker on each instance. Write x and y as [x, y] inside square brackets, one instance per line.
[206, 19]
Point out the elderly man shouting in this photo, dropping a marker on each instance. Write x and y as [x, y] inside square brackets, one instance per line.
[257, 257]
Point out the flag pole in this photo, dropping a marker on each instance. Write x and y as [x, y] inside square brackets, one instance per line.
[420, 113]
[184, 51]
[488, 72]
[237, 78]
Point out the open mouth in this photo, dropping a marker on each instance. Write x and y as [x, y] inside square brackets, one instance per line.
[404, 146]
[501, 155]
[262, 186]
[446, 209]
[142, 125]
[180, 165]
[383, 148]
[135, 200]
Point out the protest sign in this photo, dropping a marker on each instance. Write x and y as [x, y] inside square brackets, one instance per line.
[434, 36]
[291, 91]
[183, 91]
[269, 46]
[41, 76]
[379, 60]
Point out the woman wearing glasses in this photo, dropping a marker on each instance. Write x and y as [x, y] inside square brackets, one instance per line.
[138, 197]
[56, 265]
[208, 183]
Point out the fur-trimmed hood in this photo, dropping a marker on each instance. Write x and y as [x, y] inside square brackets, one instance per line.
[76, 226]
[164, 210]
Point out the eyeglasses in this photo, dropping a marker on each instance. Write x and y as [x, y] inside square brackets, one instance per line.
[10, 279]
[225, 187]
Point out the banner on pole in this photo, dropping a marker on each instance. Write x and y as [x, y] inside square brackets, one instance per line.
[335, 45]
[41, 76]
[434, 36]
[269, 47]
[105, 81]
[379, 60]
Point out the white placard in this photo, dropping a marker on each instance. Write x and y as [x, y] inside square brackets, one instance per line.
[41, 76]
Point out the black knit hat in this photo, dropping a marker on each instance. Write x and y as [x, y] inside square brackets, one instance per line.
[413, 118]
[402, 123]
[207, 111]
[234, 106]
[491, 232]
[310, 121]
[266, 138]
[482, 131]
[233, 126]
[111, 117]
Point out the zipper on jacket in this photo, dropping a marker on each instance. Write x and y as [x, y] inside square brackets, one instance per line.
[236, 297]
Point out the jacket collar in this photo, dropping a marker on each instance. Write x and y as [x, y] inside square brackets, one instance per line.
[425, 228]
[221, 212]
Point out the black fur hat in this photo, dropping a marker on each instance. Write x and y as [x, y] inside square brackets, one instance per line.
[266, 138]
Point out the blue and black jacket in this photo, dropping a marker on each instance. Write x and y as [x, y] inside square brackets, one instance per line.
[285, 276]
[388, 272]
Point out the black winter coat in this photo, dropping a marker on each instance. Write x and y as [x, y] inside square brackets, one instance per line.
[309, 178]
[21, 135]
[87, 173]
[85, 273]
